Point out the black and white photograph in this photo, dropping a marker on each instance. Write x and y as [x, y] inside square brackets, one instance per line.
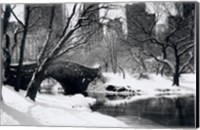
[104, 65]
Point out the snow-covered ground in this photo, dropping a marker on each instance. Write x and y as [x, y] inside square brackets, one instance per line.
[136, 89]
[59, 110]
[154, 84]
[52, 110]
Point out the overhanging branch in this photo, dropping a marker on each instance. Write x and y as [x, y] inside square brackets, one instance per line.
[69, 20]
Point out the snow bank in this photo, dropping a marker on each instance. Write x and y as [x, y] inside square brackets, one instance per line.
[154, 83]
[52, 110]
[136, 89]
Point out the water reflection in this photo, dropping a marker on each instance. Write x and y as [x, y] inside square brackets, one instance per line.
[155, 111]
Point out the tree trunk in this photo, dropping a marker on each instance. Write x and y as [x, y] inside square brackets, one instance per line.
[106, 65]
[3, 31]
[176, 79]
[176, 74]
[21, 58]
[1, 97]
[35, 84]
[2, 72]
[164, 52]
[2, 78]
[122, 70]
[115, 63]
[7, 56]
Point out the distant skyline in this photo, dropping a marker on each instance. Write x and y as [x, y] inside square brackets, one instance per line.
[118, 12]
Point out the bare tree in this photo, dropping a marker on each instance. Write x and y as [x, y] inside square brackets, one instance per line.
[177, 38]
[72, 25]
[138, 58]
[1, 98]
[180, 39]
[6, 47]
[141, 35]
[111, 41]
[23, 41]
[22, 29]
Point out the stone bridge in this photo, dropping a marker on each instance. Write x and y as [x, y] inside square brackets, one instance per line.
[73, 77]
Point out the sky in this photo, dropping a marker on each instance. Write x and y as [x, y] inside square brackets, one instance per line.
[19, 11]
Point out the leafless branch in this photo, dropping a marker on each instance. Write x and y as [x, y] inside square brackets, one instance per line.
[69, 20]
[34, 23]
[49, 34]
[186, 63]
[13, 7]
[33, 8]
[134, 57]
[153, 26]
[186, 50]
[76, 44]
[183, 39]
[138, 25]
[15, 39]
[179, 24]
[97, 9]
[164, 61]
[18, 20]
[185, 44]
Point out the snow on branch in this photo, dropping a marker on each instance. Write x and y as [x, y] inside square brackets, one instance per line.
[186, 63]
[159, 59]
[65, 36]
[69, 20]
[185, 44]
[76, 44]
[183, 39]
[186, 50]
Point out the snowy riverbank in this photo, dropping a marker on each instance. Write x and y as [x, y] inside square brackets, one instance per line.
[52, 110]
[59, 110]
[153, 85]
[131, 89]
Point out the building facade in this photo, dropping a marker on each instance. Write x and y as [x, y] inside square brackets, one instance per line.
[138, 21]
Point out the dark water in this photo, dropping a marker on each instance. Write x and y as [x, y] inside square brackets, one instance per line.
[153, 112]
[156, 112]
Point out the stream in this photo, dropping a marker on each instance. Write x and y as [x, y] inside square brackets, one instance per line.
[153, 112]
[160, 111]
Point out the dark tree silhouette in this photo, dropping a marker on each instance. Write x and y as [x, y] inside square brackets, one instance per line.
[178, 38]
[6, 47]
[23, 41]
[67, 35]
[22, 29]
